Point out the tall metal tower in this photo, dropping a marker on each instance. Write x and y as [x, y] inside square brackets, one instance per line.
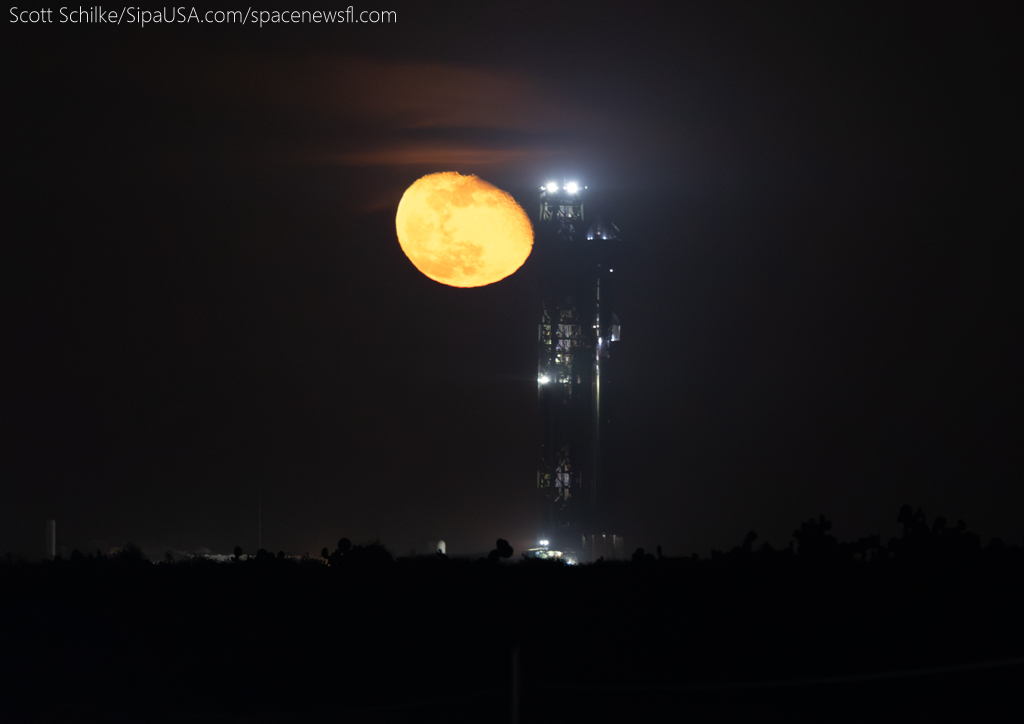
[574, 376]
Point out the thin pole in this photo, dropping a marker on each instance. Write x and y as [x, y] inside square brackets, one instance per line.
[515, 685]
[259, 516]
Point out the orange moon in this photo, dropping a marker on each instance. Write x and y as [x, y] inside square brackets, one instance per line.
[462, 231]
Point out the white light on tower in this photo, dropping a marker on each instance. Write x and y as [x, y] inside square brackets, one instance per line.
[572, 187]
[552, 187]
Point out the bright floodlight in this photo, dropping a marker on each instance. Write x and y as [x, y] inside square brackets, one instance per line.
[572, 187]
[543, 379]
[543, 542]
[552, 187]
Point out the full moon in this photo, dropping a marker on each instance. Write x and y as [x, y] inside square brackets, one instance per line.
[462, 231]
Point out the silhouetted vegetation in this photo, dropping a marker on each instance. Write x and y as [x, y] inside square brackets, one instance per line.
[339, 630]
[501, 550]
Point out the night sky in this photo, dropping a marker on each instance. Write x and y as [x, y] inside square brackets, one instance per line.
[204, 299]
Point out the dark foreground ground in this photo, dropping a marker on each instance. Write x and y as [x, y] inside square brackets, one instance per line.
[904, 633]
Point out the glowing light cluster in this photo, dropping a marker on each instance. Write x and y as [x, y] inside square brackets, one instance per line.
[570, 188]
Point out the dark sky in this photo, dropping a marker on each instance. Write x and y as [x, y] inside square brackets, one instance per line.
[205, 300]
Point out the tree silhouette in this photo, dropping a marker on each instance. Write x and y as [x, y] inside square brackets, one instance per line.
[814, 540]
[502, 550]
[131, 554]
[641, 556]
[749, 540]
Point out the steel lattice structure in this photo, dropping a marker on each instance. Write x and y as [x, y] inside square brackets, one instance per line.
[574, 376]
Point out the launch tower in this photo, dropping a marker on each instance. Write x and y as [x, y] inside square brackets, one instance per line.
[575, 380]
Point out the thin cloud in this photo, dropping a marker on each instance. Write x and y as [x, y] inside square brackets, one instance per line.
[355, 111]
[255, 114]
[401, 95]
[433, 155]
[418, 95]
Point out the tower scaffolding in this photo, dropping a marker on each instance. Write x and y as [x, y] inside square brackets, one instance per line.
[575, 380]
